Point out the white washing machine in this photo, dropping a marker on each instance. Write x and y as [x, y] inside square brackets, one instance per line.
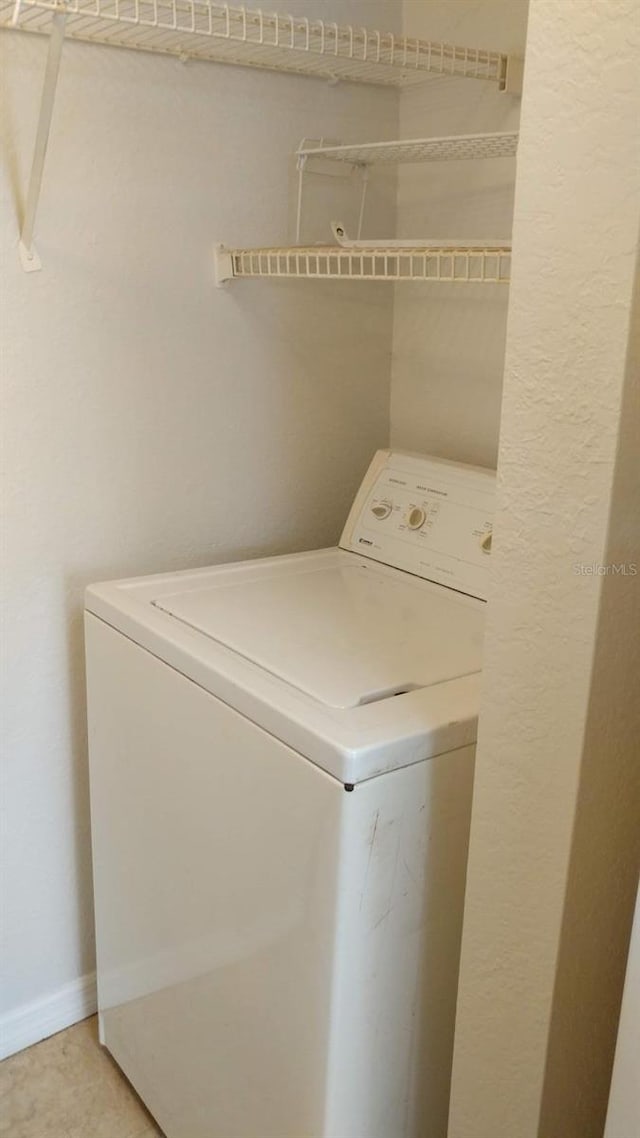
[281, 759]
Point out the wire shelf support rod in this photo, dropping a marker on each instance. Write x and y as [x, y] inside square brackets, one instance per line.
[28, 256]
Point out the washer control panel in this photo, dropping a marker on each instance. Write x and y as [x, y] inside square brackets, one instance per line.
[427, 516]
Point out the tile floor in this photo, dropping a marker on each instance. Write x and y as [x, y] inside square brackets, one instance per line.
[68, 1087]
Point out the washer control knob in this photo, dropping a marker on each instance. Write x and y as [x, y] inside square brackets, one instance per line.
[416, 518]
[381, 510]
[485, 544]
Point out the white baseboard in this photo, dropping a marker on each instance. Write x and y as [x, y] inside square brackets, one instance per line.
[48, 1015]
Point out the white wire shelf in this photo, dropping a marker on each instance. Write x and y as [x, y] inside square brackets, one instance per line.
[473, 264]
[453, 148]
[202, 29]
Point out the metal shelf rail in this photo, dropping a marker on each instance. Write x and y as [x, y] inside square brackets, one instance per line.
[429, 263]
[204, 29]
[453, 148]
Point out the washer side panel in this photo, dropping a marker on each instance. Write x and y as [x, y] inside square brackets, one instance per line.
[403, 872]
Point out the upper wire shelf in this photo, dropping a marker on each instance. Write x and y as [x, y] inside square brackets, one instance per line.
[453, 148]
[202, 29]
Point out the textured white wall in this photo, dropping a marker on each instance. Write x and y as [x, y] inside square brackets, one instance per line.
[604, 860]
[448, 343]
[151, 421]
[554, 844]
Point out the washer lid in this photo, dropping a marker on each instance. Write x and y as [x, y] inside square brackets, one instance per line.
[345, 635]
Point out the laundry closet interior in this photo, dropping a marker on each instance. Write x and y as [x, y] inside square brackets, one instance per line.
[241, 253]
[169, 390]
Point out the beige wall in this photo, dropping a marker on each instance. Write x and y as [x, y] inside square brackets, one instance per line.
[151, 421]
[555, 843]
[448, 340]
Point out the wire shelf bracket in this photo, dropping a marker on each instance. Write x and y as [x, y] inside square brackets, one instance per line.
[471, 263]
[29, 258]
[222, 265]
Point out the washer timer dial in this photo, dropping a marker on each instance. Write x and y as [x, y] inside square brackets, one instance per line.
[416, 518]
[381, 510]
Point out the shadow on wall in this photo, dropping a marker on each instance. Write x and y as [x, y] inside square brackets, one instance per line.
[80, 777]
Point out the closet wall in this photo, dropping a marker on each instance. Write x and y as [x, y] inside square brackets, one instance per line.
[151, 421]
[448, 343]
[555, 846]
